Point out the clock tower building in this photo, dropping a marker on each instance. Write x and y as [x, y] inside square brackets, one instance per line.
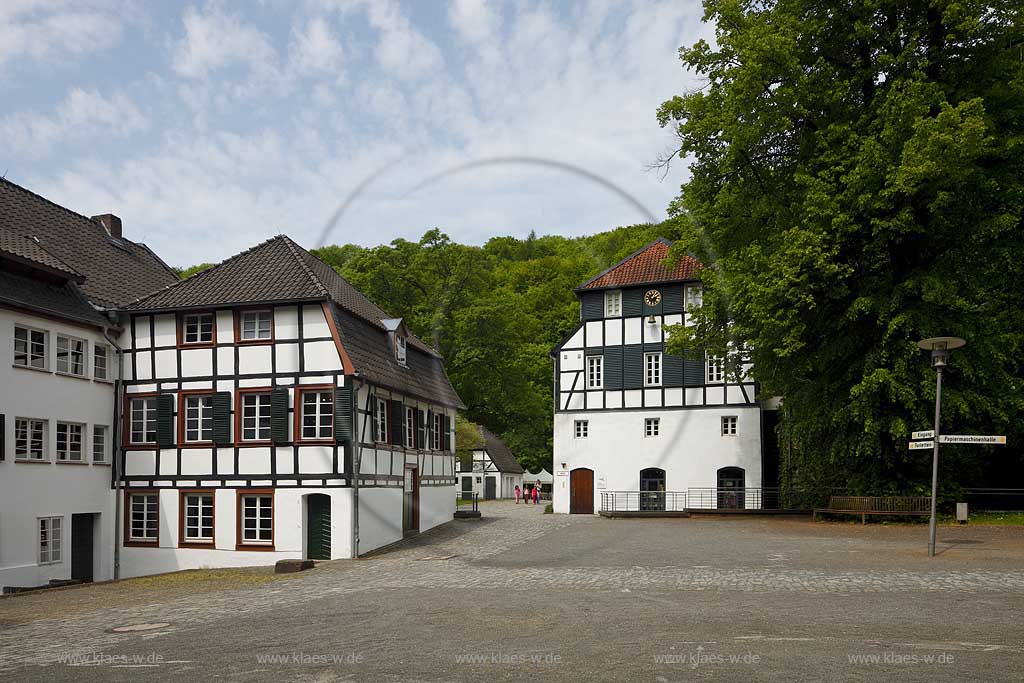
[639, 429]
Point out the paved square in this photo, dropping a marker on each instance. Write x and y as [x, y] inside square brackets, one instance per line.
[524, 595]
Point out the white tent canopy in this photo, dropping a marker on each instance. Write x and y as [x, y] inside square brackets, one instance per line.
[544, 476]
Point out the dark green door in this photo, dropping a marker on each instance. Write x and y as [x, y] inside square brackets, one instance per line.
[318, 527]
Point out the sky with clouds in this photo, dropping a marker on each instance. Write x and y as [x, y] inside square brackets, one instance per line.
[210, 127]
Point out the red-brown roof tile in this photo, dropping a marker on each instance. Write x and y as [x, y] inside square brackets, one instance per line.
[646, 266]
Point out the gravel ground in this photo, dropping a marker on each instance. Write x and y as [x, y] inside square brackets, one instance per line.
[524, 595]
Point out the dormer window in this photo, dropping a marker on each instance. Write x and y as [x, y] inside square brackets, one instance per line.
[613, 303]
[400, 348]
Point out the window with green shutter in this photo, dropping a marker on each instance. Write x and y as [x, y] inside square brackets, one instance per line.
[165, 420]
[222, 418]
[397, 423]
[279, 415]
[344, 424]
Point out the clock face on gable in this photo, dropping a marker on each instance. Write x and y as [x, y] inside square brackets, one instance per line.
[652, 297]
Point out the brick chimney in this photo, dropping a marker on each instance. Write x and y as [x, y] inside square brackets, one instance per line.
[111, 223]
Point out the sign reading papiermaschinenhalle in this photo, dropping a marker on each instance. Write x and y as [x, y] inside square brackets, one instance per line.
[970, 438]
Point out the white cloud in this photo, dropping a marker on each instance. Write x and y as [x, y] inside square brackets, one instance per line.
[475, 20]
[401, 50]
[315, 48]
[31, 29]
[214, 40]
[84, 115]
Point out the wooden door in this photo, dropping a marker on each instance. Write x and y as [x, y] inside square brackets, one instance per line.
[411, 501]
[581, 491]
[318, 527]
[81, 547]
[490, 488]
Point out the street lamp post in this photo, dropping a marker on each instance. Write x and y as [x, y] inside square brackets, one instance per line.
[940, 348]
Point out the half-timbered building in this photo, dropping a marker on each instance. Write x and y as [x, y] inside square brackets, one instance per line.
[272, 411]
[493, 471]
[633, 420]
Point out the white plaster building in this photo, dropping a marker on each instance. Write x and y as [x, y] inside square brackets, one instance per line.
[254, 392]
[493, 472]
[58, 272]
[658, 431]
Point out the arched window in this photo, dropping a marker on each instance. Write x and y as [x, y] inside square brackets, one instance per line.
[652, 489]
[731, 484]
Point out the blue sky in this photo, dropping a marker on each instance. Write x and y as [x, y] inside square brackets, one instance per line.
[210, 127]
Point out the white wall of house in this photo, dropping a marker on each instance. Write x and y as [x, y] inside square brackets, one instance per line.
[31, 490]
[690, 448]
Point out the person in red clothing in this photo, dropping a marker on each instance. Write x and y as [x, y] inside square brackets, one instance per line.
[517, 494]
[536, 493]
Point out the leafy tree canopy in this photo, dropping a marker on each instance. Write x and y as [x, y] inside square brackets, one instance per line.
[857, 185]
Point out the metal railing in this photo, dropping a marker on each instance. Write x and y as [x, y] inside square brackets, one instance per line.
[643, 501]
[744, 498]
[994, 498]
[467, 501]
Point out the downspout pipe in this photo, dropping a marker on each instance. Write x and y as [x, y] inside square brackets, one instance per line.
[115, 450]
[357, 458]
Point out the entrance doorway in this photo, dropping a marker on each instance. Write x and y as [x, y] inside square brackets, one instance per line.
[82, 547]
[411, 501]
[652, 489]
[490, 488]
[731, 485]
[318, 526]
[581, 491]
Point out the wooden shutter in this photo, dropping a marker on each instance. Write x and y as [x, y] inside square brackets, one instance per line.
[421, 429]
[221, 403]
[429, 430]
[165, 420]
[344, 422]
[279, 415]
[373, 417]
[633, 367]
[447, 432]
[397, 423]
[592, 305]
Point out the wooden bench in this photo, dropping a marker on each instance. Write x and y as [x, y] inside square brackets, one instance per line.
[875, 505]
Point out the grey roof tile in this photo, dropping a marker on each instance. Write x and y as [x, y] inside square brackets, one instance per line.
[63, 299]
[499, 453]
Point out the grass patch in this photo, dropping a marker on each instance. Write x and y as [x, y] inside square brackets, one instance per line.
[989, 518]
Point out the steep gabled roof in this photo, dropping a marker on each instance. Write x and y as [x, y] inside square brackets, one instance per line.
[645, 266]
[499, 453]
[116, 271]
[48, 297]
[28, 251]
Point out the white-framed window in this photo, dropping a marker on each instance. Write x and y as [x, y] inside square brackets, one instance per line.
[198, 418]
[410, 427]
[50, 540]
[694, 296]
[256, 416]
[652, 426]
[30, 347]
[582, 428]
[436, 435]
[198, 517]
[257, 519]
[70, 355]
[318, 414]
[99, 443]
[256, 325]
[197, 328]
[595, 372]
[400, 348]
[144, 520]
[729, 425]
[29, 439]
[715, 370]
[652, 369]
[613, 303]
[142, 420]
[69, 442]
[101, 361]
[382, 421]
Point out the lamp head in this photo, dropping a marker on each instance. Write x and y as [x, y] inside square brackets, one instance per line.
[940, 348]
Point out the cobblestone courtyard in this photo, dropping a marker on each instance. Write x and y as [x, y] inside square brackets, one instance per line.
[522, 595]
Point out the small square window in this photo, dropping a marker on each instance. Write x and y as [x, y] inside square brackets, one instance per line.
[652, 426]
[30, 348]
[197, 328]
[582, 429]
[256, 325]
[70, 355]
[729, 425]
[613, 304]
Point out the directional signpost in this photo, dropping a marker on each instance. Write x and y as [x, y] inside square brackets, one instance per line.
[921, 445]
[961, 438]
